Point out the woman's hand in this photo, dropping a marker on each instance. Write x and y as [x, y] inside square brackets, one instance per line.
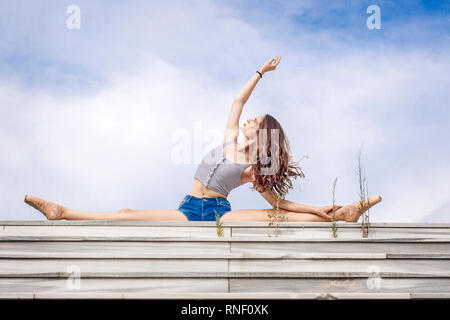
[326, 211]
[270, 65]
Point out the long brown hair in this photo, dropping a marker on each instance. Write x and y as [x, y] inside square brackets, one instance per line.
[279, 179]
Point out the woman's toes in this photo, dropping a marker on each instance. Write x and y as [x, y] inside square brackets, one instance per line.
[371, 202]
[52, 211]
[356, 209]
[32, 201]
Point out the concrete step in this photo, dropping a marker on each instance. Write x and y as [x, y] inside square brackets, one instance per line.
[186, 286]
[208, 229]
[150, 260]
[51, 246]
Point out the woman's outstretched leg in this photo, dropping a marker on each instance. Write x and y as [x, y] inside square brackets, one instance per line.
[55, 211]
[262, 215]
[349, 213]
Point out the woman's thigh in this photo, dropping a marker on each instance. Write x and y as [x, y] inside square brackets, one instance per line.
[159, 215]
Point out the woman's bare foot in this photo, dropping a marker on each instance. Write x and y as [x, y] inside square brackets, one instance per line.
[51, 210]
[352, 212]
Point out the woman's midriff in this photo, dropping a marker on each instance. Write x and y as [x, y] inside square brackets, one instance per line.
[199, 190]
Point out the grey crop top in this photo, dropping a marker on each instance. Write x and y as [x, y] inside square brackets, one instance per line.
[218, 173]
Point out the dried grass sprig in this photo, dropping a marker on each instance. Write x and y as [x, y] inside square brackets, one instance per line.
[334, 228]
[363, 195]
[275, 217]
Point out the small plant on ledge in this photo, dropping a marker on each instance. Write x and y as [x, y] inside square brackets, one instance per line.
[363, 194]
[219, 224]
[275, 217]
[333, 225]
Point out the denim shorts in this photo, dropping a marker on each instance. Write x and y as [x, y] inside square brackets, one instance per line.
[203, 209]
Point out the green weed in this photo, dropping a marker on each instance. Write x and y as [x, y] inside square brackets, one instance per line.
[219, 224]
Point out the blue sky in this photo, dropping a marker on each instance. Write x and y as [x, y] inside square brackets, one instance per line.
[88, 116]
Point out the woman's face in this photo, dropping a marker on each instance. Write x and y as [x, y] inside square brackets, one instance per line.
[250, 127]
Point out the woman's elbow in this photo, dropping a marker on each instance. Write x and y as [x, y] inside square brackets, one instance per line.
[239, 100]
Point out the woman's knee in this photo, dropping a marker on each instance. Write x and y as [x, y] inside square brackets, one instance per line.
[228, 216]
[287, 216]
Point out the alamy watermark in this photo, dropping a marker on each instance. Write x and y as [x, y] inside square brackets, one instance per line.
[74, 279]
[374, 280]
[73, 22]
[374, 20]
[190, 148]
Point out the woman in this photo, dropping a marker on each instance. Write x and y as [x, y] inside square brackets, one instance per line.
[263, 159]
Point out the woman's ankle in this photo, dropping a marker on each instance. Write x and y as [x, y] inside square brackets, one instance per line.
[338, 215]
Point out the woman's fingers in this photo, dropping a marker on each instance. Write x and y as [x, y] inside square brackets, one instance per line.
[327, 217]
[272, 63]
[324, 215]
[277, 61]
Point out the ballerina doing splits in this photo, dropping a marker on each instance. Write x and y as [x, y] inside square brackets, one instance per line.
[214, 180]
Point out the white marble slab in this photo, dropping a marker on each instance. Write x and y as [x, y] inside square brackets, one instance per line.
[113, 248]
[386, 285]
[432, 267]
[111, 286]
[406, 247]
[24, 266]
[344, 233]
[106, 231]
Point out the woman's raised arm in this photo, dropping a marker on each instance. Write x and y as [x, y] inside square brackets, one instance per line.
[232, 127]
